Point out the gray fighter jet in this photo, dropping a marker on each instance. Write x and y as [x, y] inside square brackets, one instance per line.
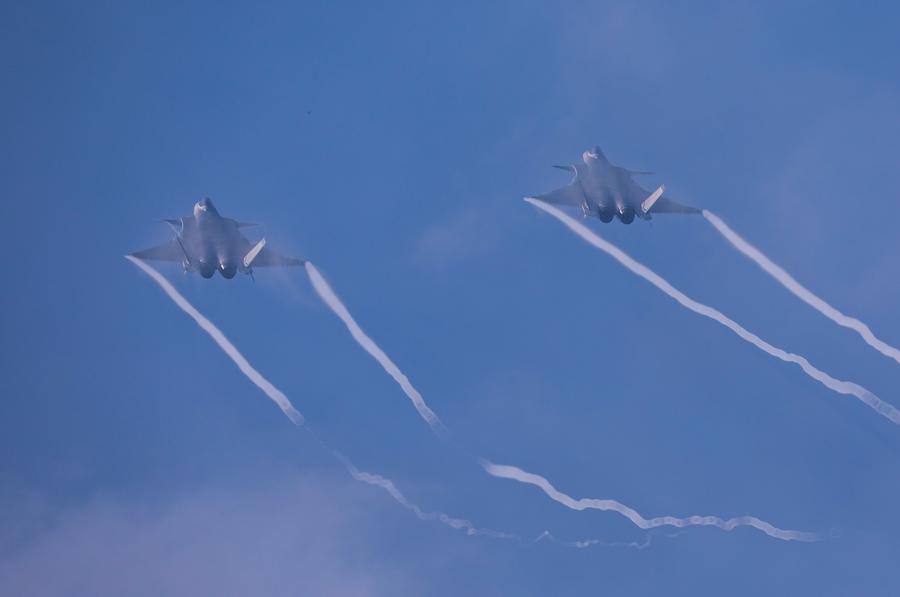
[606, 191]
[206, 242]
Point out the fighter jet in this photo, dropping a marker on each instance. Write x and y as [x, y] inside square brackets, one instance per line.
[206, 242]
[606, 191]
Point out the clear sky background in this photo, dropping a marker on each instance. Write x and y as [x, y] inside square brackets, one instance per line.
[391, 144]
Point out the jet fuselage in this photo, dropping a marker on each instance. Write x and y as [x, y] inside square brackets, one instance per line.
[214, 243]
[609, 190]
[206, 242]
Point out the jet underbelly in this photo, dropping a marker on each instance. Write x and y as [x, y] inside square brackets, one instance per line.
[600, 201]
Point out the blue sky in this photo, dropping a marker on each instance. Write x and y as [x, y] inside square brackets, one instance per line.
[392, 145]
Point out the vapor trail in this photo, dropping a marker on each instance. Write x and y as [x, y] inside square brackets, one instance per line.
[294, 415]
[328, 295]
[585, 543]
[390, 488]
[246, 368]
[517, 474]
[842, 387]
[799, 290]
[331, 299]
[278, 396]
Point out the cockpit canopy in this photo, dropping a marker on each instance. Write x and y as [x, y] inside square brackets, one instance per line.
[204, 206]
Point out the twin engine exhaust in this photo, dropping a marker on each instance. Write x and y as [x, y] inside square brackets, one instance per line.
[626, 213]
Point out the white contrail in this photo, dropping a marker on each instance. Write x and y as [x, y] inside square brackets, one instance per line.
[331, 299]
[585, 543]
[294, 415]
[278, 396]
[328, 295]
[842, 387]
[517, 474]
[799, 290]
[246, 368]
[390, 488]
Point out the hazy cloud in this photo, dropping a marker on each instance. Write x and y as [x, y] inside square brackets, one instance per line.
[296, 537]
[468, 233]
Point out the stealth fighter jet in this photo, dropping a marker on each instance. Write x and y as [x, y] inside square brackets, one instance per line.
[206, 242]
[606, 191]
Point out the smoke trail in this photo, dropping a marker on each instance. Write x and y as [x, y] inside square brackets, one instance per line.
[331, 299]
[294, 415]
[328, 295]
[246, 368]
[517, 474]
[799, 290]
[842, 387]
[390, 488]
[278, 396]
[585, 543]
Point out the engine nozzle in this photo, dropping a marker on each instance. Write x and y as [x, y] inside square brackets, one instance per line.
[626, 214]
[227, 269]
